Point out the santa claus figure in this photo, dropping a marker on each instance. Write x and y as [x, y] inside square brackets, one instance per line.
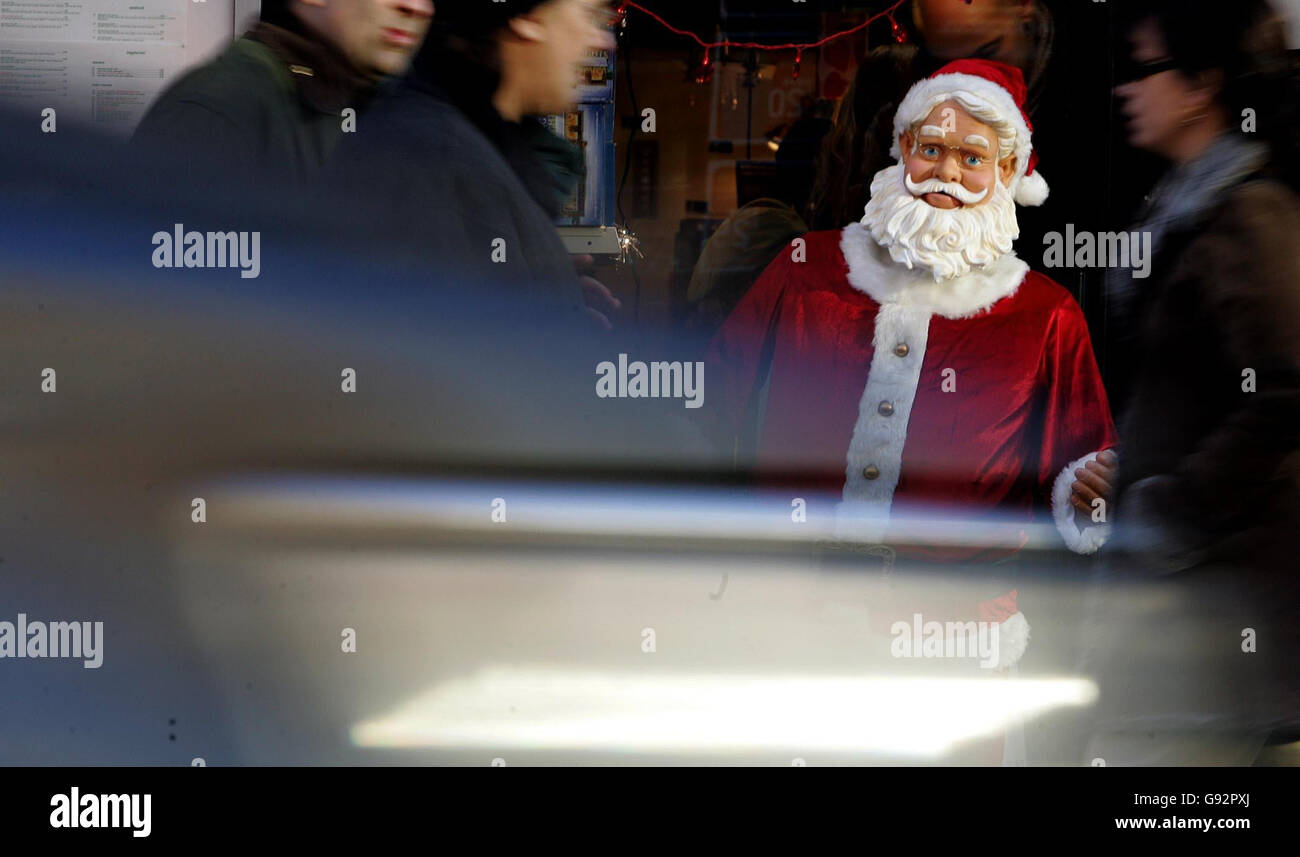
[912, 359]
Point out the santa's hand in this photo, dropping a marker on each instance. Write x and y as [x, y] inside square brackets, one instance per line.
[1095, 480]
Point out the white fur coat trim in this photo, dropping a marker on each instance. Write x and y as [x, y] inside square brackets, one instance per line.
[1013, 639]
[878, 439]
[873, 272]
[1090, 538]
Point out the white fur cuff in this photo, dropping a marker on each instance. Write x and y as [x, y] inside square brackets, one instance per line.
[1013, 639]
[1090, 538]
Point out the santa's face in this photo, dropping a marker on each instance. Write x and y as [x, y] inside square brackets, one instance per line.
[946, 206]
[951, 159]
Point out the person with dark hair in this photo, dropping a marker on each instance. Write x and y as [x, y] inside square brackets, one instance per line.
[1015, 32]
[1208, 493]
[274, 101]
[453, 169]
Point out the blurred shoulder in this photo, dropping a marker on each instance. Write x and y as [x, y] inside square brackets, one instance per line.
[411, 119]
[1262, 206]
[246, 73]
[425, 151]
[1263, 193]
[1248, 238]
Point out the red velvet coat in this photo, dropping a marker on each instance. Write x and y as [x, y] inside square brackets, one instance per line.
[980, 393]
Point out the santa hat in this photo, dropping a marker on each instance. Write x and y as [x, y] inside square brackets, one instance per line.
[998, 86]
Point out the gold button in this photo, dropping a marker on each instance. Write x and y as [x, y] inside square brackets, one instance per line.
[885, 409]
[901, 349]
[871, 471]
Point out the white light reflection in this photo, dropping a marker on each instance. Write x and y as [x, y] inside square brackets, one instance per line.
[557, 709]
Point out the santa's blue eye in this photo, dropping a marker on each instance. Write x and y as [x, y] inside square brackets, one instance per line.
[930, 151]
[974, 160]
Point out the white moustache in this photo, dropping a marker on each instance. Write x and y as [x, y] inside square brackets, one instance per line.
[947, 242]
[953, 189]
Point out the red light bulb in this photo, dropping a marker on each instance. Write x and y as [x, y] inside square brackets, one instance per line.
[900, 35]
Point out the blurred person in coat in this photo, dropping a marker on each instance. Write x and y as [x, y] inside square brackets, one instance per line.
[272, 103]
[1196, 622]
[453, 172]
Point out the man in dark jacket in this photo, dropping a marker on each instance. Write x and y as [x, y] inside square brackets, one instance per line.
[451, 175]
[274, 101]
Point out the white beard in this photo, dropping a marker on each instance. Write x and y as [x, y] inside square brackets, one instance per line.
[947, 242]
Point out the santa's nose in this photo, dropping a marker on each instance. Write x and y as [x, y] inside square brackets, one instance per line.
[948, 169]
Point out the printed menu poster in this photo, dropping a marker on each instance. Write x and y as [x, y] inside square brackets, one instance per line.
[101, 62]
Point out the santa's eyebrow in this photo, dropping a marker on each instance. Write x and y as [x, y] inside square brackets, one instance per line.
[932, 131]
[977, 140]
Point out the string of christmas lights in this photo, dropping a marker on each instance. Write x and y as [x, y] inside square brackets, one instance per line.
[705, 71]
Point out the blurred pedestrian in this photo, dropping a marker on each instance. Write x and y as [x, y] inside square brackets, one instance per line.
[273, 102]
[455, 172]
[1207, 496]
